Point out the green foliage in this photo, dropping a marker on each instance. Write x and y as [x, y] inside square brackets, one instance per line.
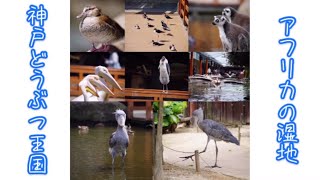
[171, 110]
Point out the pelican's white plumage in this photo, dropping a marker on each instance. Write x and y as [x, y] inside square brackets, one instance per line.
[95, 87]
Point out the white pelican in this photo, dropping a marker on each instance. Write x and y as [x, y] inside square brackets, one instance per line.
[94, 87]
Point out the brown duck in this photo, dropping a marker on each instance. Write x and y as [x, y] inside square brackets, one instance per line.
[99, 28]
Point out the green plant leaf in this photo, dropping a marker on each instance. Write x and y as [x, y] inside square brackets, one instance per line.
[179, 107]
[167, 103]
[155, 106]
[173, 119]
[170, 111]
[155, 118]
[167, 111]
[165, 123]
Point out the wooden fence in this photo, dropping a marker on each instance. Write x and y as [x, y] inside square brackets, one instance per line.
[228, 113]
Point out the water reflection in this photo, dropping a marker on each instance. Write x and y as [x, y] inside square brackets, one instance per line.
[90, 158]
[231, 90]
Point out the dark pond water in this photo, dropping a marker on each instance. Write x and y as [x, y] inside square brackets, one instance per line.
[205, 91]
[90, 158]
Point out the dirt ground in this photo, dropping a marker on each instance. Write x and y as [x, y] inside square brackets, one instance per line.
[140, 39]
[234, 160]
[172, 172]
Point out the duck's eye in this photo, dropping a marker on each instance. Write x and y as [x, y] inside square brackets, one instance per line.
[90, 8]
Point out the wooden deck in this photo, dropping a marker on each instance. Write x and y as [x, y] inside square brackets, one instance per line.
[155, 94]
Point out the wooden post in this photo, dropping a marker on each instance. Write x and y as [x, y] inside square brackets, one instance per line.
[130, 109]
[185, 13]
[206, 66]
[197, 161]
[190, 111]
[158, 169]
[239, 133]
[153, 145]
[149, 109]
[200, 67]
[240, 123]
[191, 64]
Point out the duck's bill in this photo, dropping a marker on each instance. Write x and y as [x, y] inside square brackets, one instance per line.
[80, 15]
[101, 86]
[109, 79]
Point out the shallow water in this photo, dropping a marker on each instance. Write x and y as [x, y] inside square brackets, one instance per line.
[204, 91]
[90, 158]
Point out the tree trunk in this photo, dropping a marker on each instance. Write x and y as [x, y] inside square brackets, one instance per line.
[158, 169]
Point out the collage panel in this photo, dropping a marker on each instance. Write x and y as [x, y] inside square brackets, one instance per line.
[162, 73]
[147, 113]
[111, 138]
[225, 25]
[156, 26]
[97, 26]
[219, 76]
[204, 140]
[96, 76]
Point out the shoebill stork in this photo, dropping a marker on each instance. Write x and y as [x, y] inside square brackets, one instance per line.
[164, 70]
[119, 140]
[95, 87]
[214, 130]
